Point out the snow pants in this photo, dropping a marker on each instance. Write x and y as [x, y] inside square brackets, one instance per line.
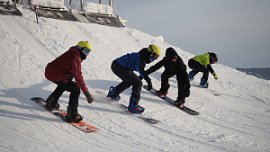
[73, 97]
[129, 78]
[197, 67]
[183, 88]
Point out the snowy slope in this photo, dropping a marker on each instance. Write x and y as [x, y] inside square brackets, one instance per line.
[234, 111]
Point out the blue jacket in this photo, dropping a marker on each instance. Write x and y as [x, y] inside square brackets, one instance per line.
[130, 61]
[133, 62]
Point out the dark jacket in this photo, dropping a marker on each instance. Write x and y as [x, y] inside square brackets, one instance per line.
[136, 62]
[170, 66]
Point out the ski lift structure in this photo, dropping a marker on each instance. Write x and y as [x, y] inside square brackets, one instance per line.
[9, 7]
[52, 9]
[104, 14]
[78, 10]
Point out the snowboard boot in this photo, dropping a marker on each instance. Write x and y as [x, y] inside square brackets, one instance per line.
[134, 107]
[112, 94]
[161, 94]
[179, 104]
[163, 90]
[72, 117]
[51, 103]
[203, 83]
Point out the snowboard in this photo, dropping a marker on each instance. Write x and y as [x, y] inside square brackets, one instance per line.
[144, 118]
[140, 116]
[83, 126]
[169, 100]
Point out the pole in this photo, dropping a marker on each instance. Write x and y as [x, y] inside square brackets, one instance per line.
[110, 3]
[81, 5]
[35, 7]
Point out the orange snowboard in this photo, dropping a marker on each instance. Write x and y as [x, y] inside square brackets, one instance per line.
[61, 114]
[80, 125]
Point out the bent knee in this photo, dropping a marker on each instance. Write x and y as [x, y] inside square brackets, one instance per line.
[138, 82]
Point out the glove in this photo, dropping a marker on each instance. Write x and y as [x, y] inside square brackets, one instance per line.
[215, 75]
[187, 93]
[89, 97]
[149, 85]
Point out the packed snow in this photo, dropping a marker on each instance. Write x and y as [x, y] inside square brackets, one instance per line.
[234, 110]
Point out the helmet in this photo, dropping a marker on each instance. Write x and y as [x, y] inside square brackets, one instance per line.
[85, 48]
[153, 48]
[213, 57]
[84, 44]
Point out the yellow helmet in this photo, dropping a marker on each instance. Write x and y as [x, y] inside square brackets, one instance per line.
[84, 44]
[154, 49]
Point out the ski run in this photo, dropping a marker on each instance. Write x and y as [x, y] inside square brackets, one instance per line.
[234, 110]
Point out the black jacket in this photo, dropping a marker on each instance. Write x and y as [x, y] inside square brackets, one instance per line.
[177, 67]
[169, 65]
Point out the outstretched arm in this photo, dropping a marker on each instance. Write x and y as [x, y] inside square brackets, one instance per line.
[209, 67]
[155, 67]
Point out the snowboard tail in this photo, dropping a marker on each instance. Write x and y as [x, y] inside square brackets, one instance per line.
[83, 126]
[144, 118]
[169, 100]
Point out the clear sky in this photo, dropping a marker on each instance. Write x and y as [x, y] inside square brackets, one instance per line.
[237, 30]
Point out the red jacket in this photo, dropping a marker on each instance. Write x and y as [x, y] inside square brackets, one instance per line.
[65, 67]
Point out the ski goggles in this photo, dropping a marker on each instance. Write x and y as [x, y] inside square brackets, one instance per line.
[86, 51]
[153, 57]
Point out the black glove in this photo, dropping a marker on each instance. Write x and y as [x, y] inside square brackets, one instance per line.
[187, 93]
[149, 85]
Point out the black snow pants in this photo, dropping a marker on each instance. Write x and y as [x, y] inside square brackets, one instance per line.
[74, 90]
[182, 86]
[129, 78]
[197, 67]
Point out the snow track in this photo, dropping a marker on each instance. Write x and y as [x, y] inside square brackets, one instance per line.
[234, 111]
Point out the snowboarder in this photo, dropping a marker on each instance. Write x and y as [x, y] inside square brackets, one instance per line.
[61, 71]
[124, 68]
[173, 65]
[202, 63]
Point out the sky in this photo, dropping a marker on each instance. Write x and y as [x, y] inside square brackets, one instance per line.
[237, 30]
